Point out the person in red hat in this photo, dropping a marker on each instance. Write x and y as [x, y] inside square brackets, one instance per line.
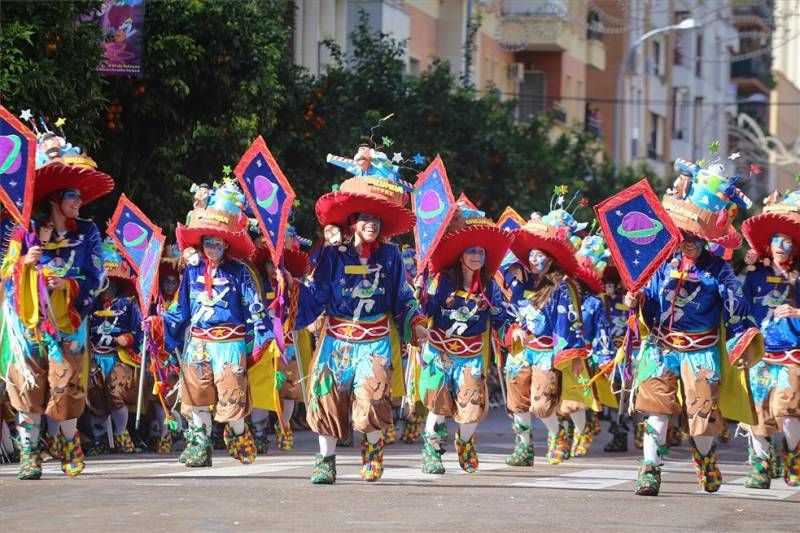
[683, 306]
[462, 303]
[51, 280]
[772, 290]
[361, 286]
[115, 333]
[542, 372]
[219, 302]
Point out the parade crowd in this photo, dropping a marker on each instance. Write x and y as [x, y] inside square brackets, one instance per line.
[358, 333]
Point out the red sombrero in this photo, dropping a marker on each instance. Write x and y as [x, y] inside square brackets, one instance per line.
[381, 198]
[470, 227]
[297, 262]
[611, 275]
[535, 234]
[76, 172]
[213, 223]
[590, 278]
[778, 216]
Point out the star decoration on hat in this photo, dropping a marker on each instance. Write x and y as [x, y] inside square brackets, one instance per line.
[397, 157]
[226, 170]
[60, 122]
[419, 159]
[386, 141]
[734, 156]
[26, 115]
[714, 147]
[755, 169]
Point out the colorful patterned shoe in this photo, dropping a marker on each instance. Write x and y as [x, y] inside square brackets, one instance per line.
[638, 435]
[649, 481]
[708, 475]
[123, 443]
[390, 435]
[371, 459]
[72, 464]
[99, 446]
[412, 429]
[432, 454]
[775, 462]
[595, 424]
[189, 441]
[164, 444]
[285, 440]
[523, 452]
[55, 445]
[555, 454]
[324, 470]
[758, 477]
[581, 442]
[198, 450]
[30, 462]
[240, 447]
[467, 454]
[441, 429]
[262, 442]
[619, 442]
[791, 465]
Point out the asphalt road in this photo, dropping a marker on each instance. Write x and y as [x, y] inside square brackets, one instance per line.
[155, 493]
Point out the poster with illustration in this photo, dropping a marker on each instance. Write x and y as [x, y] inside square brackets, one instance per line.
[123, 24]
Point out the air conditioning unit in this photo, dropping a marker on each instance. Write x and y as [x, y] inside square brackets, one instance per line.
[516, 71]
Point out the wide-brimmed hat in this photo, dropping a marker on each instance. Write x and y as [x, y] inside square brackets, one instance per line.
[470, 227]
[552, 240]
[592, 257]
[781, 214]
[223, 217]
[115, 265]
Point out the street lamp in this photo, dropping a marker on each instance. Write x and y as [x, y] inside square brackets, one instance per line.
[686, 24]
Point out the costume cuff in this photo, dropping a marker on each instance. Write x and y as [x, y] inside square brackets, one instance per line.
[750, 342]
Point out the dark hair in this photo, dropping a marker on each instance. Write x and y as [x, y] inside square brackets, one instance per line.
[548, 285]
[457, 275]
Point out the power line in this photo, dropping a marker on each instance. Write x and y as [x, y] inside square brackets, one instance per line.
[635, 101]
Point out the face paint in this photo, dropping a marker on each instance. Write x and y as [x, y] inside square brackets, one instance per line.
[367, 218]
[474, 257]
[539, 261]
[214, 248]
[71, 194]
[783, 242]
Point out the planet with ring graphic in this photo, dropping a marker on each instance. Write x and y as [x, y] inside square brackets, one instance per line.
[431, 206]
[639, 228]
[266, 193]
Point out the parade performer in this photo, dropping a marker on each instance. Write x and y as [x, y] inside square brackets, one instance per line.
[414, 417]
[771, 288]
[462, 302]
[683, 306]
[219, 302]
[115, 331]
[51, 279]
[361, 286]
[542, 373]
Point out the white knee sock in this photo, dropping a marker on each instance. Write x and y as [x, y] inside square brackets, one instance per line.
[760, 445]
[238, 426]
[703, 444]
[327, 446]
[524, 419]
[52, 426]
[579, 419]
[120, 419]
[31, 433]
[466, 431]
[69, 427]
[288, 410]
[652, 441]
[431, 421]
[374, 436]
[202, 416]
[791, 430]
[259, 417]
[551, 423]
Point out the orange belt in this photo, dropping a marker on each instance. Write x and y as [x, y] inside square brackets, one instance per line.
[220, 333]
[455, 345]
[683, 341]
[789, 357]
[346, 330]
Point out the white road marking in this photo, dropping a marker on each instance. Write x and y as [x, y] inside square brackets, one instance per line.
[735, 489]
[591, 479]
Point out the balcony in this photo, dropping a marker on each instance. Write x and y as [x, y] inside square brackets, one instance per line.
[596, 54]
[542, 26]
[752, 17]
[752, 76]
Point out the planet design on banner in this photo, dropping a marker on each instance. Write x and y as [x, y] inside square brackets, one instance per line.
[431, 206]
[10, 153]
[266, 192]
[639, 228]
[134, 236]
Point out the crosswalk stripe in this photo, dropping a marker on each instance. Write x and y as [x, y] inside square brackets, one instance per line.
[736, 489]
[591, 479]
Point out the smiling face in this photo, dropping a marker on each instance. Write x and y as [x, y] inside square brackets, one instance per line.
[692, 246]
[781, 248]
[169, 284]
[214, 248]
[367, 227]
[69, 201]
[473, 258]
[539, 261]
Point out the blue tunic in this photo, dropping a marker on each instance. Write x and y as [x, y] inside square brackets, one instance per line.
[764, 291]
[104, 329]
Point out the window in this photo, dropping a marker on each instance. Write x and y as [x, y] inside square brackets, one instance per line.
[681, 50]
[413, 66]
[532, 95]
[698, 55]
[654, 149]
[655, 58]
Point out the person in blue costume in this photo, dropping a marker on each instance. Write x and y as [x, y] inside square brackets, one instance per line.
[362, 288]
[115, 337]
[463, 303]
[683, 306]
[51, 280]
[218, 305]
[771, 288]
[541, 372]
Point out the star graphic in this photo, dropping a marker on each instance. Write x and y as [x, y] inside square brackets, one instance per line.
[714, 147]
[60, 122]
[258, 163]
[734, 156]
[226, 170]
[618, 213]
[397, 157]
[638, 252]
[755, 169]
[418, 158]
[635, 261]
[26, 115]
